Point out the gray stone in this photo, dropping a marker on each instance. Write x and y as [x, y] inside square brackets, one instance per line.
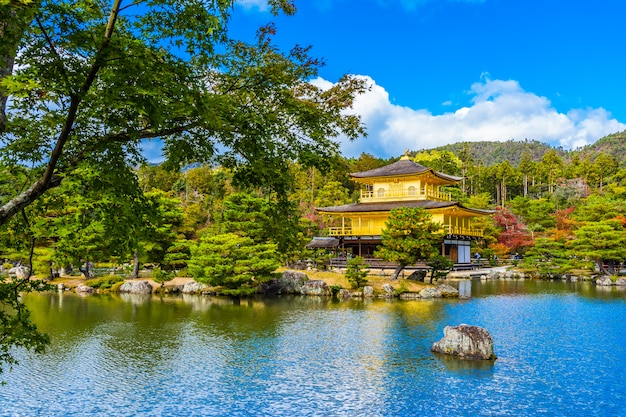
[429, 292]
[465, 341]
[446, 290]
[441, 290]
[20, 272]
[315, 287]
[290, 282]
[409, 296]
[193, 287]
[388, 289]
[368, 291]
[621, 282]
[84, 289]
[604, 281]
[343, 293]
[136, 287]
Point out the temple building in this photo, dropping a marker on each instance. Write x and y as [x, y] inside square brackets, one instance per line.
[358, 226]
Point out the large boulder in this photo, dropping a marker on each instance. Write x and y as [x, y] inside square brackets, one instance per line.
[290, 282]
[136, 287]
[446, 290]
[621, 282]
[368, 291]
[315, 287]
[604, 280]
[84, 289]
[193, 287]
[389, 290]
[441, 290]
[465, 341]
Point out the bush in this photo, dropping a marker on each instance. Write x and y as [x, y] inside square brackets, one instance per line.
[356, 271]
[104, 283]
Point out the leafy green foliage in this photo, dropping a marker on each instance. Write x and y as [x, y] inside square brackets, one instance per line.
[235, 262]
[409, 236]
[439, 266]
[106, 282]
[603, 242]
[549, 258]
[16, 328]
[356, 271]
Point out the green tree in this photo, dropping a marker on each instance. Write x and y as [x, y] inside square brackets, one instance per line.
[439, 266]
[602, 168]
[526, 168]
[602, 242]
[549, 257]
[408, 237]
[236, 263]
[83, 85]
[356, 271]
[83, 94]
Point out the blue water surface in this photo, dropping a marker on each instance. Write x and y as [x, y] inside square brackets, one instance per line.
[561, 352]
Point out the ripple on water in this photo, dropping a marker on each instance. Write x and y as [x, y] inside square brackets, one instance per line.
[284, 358]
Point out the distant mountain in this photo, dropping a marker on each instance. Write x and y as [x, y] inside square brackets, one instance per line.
[491, 153]
[614, 144]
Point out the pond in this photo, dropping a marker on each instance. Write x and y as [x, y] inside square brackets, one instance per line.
[560, 346]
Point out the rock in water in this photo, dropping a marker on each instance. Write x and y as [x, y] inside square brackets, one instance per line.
[136, 287]
[465, 341]
[315, 287]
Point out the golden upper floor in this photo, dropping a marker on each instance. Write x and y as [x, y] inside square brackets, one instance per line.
[403, 180]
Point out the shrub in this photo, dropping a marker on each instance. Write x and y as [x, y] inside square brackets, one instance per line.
[356, 271]
[104, 283]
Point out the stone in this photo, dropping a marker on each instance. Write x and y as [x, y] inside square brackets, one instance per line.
[446, 290]
[343, 294]
[368, 291]
[409, 296]
[193, 287]
[466, 342]
[604, 280]
[315, 287]
[290, 282]
[429, 292]
[20, 272]
[84, 289]
[388, 289]
[136, 287]
[620, 282]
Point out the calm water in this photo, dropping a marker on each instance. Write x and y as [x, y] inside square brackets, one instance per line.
[561, 352]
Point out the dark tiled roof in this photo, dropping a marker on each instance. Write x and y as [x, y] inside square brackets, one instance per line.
[402, 167]
[323, 242]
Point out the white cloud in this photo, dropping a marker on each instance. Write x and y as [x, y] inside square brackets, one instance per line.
[260, 5]
[500, 110]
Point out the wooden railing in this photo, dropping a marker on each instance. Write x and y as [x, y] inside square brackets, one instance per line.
[395, 195]
[447, 229]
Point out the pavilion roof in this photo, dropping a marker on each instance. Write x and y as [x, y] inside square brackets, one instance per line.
[403, 167]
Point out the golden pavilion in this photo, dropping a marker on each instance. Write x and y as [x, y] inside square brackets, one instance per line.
[401, 184]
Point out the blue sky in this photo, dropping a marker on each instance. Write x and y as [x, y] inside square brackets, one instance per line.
[443, 71]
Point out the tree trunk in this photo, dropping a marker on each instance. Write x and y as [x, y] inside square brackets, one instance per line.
[396, 272]
[135, 273]
[87, 270]
[525, 185]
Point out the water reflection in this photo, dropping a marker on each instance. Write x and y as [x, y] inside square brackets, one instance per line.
[284, 356]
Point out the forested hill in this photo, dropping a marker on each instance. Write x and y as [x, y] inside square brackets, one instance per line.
[614, 145]
[491, 152]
